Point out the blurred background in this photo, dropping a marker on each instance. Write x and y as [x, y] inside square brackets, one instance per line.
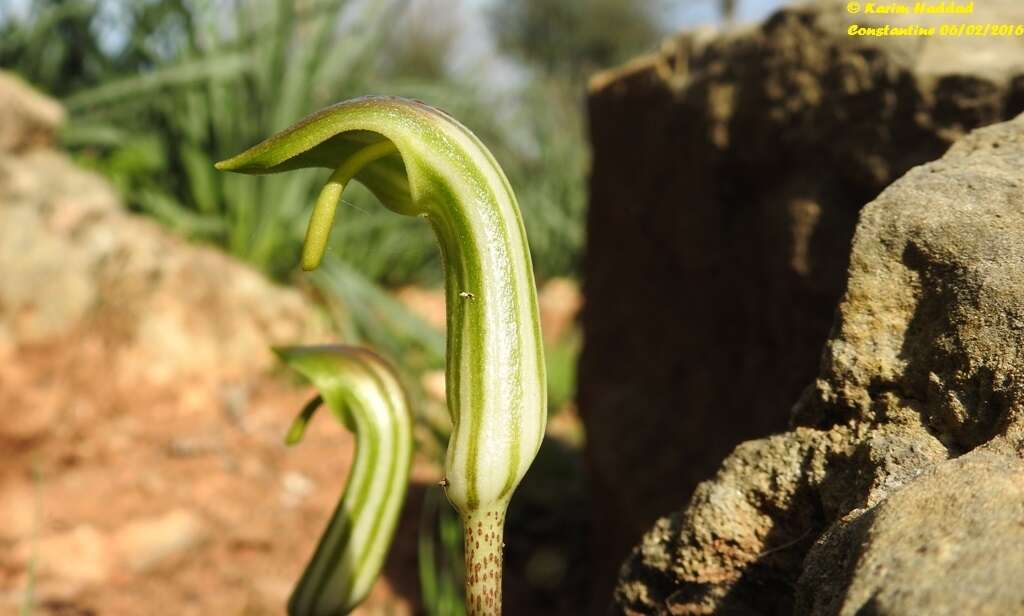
[143, 467]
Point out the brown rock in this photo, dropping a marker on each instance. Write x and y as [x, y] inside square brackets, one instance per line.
[753, 514]
[39, 405]
[75, 264]
[932, 315]
[944, 545]
[76, 558]
[721, 215]
[18, 510]
[48, 285]
[295, 488]
[28, 119]
[906, 473]
[144, 545]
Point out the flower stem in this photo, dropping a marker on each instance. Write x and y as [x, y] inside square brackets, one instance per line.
[484, 530]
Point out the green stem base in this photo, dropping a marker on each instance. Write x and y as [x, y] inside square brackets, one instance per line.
[484, 531]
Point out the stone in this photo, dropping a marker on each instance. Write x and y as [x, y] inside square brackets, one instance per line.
[28, 119]
[148, 543]
[720, 219]
[933, 308]
[18, 509]
[295, 488]
[78, 558]
[899, 489]
[47, 287]
[944, 545]
[39, 405]
[76, 265]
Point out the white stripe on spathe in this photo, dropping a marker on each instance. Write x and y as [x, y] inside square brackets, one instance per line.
[518, 268]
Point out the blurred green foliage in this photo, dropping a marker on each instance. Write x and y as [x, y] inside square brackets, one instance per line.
[158, 91]
[441, 566]
[560, 359]
[571, 38]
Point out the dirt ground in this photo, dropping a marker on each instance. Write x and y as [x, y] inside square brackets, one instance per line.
[119, 496]
[166, 501]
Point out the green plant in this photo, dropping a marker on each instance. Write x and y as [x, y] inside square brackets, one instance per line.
[189, 82]
[572, 38]
[231, 79]
[419, 161]
[441, 577]
[366, 397]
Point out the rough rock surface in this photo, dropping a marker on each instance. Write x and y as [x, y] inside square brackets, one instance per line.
[76, 264]
[728, 174]
[900, 491]
[946, 544]
[27, 118]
